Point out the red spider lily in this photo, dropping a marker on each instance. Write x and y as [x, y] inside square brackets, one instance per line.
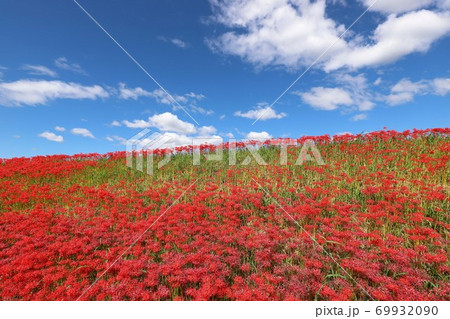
[379, 208]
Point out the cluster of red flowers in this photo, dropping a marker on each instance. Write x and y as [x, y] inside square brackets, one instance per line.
[378, 207]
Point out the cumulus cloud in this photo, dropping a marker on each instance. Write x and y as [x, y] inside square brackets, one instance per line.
[174, 132]
[398, 36]
[115, 123]
[60, 129]
[136, 124]
[258, 136]
[163, 122]
[134, 93]
[64, 64]
[359, 117]
[207, 131]
[441, 86]
[406, 90]
[51, 137]
[280, 32]
[170, 122]
[39, 70]
[34, 92]
[169, 140]
[397, 6]
[82, 132]
[293, 33]
[327, 99]
[262, 112]
[172, 140]
[351, 93]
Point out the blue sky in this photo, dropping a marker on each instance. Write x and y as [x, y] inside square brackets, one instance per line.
[66, 87]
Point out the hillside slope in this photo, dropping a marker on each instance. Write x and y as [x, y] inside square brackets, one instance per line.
[372, 223]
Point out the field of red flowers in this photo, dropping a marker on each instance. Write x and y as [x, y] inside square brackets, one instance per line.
[372, 223]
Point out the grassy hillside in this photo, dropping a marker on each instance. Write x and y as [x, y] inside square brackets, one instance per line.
[372, 223]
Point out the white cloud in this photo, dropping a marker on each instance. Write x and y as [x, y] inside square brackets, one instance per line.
[407, 86]
[351, 93]
[358, 88]
[170, 122]
[258, 136]
[64, 64]
[378, 81]
[395, 38]
[164, 122]
[441, 86]
[359, 117]
[405, 90]
[293, 33]
[400, 98]
[229, 135]
[175, 41]
[115, 123]
[52, 137]
[207, 131]
[162, 97]
[172, 140]
[34, 92]
[195, 96]
[82, 132]
[397, 6]
[212, 139]
[126, 93]
[327, 99]
[179, 43]
[39, 70]
[60, 129]
[262, 112]
[114, 138]
[201, 110]
[136, 124]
